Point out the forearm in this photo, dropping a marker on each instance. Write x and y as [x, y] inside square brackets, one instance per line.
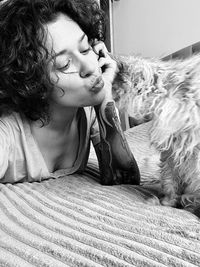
[116, 162]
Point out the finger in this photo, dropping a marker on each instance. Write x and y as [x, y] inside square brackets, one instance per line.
[109, 68]
[102, 62]
[100, 49]
[107, 62]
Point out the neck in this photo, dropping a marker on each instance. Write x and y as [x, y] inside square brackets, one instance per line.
[61, 118]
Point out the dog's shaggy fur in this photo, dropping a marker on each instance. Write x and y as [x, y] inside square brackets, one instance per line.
[168, 93]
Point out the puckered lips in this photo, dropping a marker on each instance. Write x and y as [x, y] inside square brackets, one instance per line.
[97, 86]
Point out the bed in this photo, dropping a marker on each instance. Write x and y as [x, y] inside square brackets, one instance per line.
[75, 221]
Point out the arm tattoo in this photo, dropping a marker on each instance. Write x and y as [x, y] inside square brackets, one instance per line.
[116, 161]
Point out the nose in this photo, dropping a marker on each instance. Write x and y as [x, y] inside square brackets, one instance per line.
[87, 67]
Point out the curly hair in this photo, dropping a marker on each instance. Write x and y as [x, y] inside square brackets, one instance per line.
[25, 85]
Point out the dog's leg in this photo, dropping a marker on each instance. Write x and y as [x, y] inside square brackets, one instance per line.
[190, 174]
[190, 200]
[169, 185]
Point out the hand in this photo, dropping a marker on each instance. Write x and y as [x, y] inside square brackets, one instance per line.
[108, 67]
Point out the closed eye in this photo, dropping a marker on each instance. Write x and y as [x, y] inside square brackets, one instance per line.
[65, 67]
[85, 52]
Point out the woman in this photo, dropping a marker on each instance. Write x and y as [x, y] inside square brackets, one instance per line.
[53, 70]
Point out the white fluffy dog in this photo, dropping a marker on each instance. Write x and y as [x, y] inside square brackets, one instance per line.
[168, 93]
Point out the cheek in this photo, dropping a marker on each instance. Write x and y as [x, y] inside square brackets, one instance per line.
[62, 80]
[69, 85]
[93, 57]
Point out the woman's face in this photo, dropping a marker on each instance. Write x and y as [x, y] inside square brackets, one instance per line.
[74, 66]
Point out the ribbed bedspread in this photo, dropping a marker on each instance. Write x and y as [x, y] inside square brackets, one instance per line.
[75, 221]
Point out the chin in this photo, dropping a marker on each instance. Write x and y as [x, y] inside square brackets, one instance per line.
[97, 98]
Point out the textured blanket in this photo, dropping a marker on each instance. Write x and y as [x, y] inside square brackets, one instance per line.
[75, 221]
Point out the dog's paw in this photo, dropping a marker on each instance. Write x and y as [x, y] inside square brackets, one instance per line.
[190, 199]
[169, 201]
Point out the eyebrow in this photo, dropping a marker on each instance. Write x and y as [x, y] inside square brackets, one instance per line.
[65, 50]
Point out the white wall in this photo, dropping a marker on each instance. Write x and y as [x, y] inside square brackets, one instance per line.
[155, 27]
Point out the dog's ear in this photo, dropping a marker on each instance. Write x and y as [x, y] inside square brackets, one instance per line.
[120, 84]
[122, 67]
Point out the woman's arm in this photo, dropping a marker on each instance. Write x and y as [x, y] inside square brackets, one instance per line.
[116, 161]
[4, 148]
